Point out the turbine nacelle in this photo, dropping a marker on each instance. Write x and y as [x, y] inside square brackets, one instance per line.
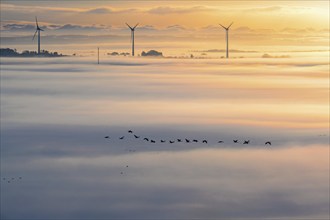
[132, 28]
[37, 29]
[226, 28]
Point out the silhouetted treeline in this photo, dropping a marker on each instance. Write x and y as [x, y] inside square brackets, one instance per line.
[7, 52]
[144, 54]
[152, 53]
[118, 54]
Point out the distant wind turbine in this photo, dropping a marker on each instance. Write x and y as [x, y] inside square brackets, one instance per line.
[227, 29]
[132, 36]
[37, 30]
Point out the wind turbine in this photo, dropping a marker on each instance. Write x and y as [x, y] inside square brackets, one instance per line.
[227, 29]
[132, 36]
[37, 30]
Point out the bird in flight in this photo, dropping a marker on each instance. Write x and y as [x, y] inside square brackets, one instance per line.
[235, 141]
[204, 141]
[136, 136]
[152, 141]
[171, 142]
[220, 141]
[179, 140]
[106, 137]
[246, 142]
[268, 142]
[195, 141]
[162, 141]
[121, 138]
[187, 140]
[146, 139]
[130, 131]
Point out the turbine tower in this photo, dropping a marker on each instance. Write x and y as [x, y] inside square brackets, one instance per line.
[132, 36]
[227, 29]
[37, 30]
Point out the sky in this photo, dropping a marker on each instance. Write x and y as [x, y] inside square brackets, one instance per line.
[176, 26]
[253, 14]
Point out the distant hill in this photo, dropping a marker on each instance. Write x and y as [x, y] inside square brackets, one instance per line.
[7, 52]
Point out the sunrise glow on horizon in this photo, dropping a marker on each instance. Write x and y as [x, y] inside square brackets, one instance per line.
[174, 27]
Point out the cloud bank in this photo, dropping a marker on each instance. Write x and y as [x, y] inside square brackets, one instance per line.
[161, 10]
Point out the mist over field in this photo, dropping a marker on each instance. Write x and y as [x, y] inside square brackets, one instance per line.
[56, 113]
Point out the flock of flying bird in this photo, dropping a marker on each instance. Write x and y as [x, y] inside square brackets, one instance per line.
[9, 180]
[172, 141]
[185, 140]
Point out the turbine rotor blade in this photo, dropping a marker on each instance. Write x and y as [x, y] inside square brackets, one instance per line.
[135, 25]
[37, 22]
[129, 26]
[230, 25]
[223, 26]
[41, 29]
[34, 34]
